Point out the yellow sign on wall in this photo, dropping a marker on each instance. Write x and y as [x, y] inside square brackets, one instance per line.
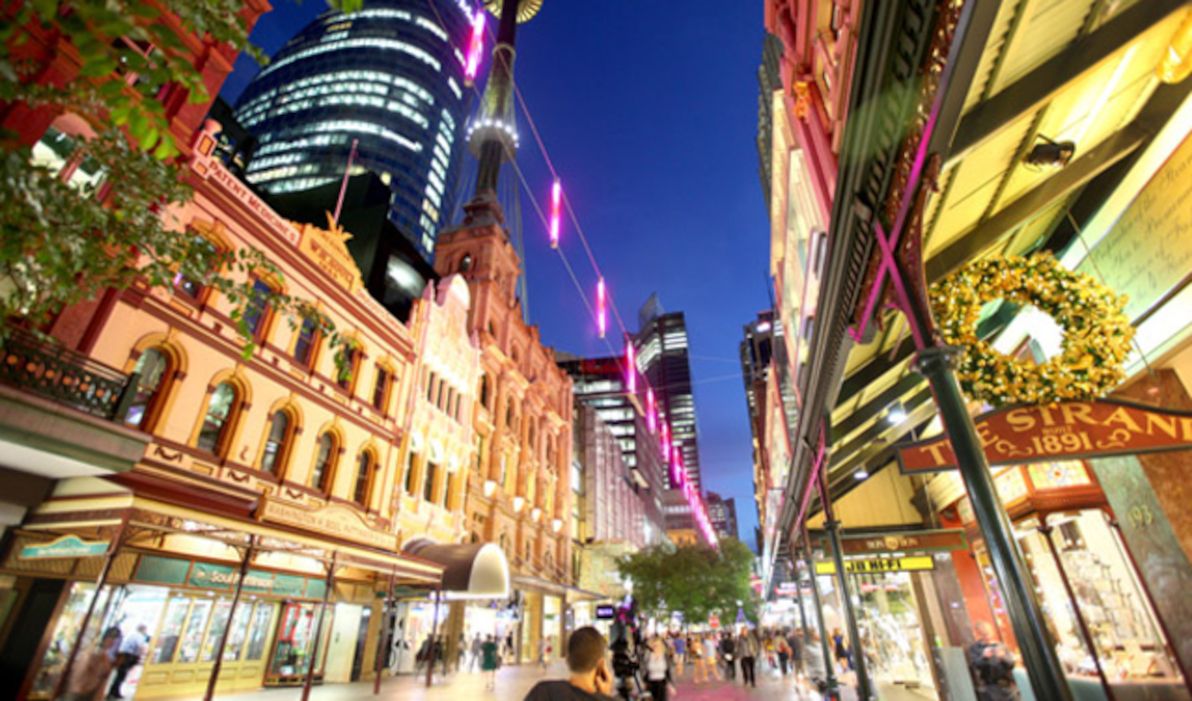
[877, 565]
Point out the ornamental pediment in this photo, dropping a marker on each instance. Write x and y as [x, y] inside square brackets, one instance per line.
[328, 250]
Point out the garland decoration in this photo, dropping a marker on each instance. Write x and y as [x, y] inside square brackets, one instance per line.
[1097, 333]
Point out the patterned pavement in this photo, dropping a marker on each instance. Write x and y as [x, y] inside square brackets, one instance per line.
[513, 683]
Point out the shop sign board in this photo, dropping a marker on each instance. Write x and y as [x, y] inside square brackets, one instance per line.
[605, 613]
[333, 520]
[1062, 431]
[878, 565]
[208, 575]
[936, 540]
[68, 546]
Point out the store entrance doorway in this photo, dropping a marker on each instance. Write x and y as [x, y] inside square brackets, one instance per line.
[893, 639]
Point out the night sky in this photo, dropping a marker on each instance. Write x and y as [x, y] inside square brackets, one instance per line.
[648, 109]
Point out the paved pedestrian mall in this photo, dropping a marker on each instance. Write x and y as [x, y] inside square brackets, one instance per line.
[514, 682]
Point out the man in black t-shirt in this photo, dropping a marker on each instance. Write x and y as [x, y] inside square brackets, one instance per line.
[590, 680]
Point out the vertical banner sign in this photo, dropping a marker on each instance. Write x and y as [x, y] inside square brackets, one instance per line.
[475, 47]
[601, 318]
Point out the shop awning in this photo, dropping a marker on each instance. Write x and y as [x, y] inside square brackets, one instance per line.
[471, 570]
[92, 502]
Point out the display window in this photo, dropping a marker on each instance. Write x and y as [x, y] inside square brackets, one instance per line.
[67, 629]
[294, 649]
[1124, 631]
[891, 629]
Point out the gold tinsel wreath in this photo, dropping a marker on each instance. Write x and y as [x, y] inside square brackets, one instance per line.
[1097, 333]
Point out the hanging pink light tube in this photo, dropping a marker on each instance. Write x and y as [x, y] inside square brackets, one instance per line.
[664, 442]
[630, 367]
[556, 207]
[601, 314]
[651, 411]
[475, 47]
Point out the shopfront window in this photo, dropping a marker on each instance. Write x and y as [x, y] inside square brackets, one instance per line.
[192, 635]
[259, 633]
[1125, 633]
[66, 631]
[215, 631]
[171, 630]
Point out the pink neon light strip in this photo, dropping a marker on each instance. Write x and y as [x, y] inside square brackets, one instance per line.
[475, 46]
[556, 206]
[651, 411]
[889, 244]
[601, 312]
[630, 368]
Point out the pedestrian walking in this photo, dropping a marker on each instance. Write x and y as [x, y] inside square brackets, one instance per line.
[490, 661]
[590, 679]
[817, 668]
[711, 651]
[657, 666]
[992, 666]
[728, 653]
[796, 644]
[782, 649]
[747, 648]
[840, 651]
[769, 649]
[89, 674]
[477, 650]
[679, 644]
[132, 650]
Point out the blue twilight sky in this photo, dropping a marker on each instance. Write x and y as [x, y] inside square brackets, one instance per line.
[648, 109]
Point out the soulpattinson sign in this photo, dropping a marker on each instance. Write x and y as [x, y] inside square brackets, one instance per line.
[1063, 431]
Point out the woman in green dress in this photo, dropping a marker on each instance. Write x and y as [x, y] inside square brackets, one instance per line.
[490, 661]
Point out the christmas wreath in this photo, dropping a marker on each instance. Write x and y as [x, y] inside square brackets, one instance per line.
[1097, 333]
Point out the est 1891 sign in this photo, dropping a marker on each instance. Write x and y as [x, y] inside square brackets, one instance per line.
[1063, 431]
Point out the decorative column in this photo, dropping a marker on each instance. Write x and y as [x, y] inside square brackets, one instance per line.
[223, 638]
[832, 526]
[833, 690]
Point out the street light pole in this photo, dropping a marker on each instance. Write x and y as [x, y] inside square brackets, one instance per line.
[1026, 616]
[833, 690]
[832, 526]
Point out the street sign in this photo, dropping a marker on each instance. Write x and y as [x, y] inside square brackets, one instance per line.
[1068, 430]
[68, 546]
[878, 565]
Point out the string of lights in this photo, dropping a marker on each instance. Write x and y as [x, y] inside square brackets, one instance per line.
[604, 299]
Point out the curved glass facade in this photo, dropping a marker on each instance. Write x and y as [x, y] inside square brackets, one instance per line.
[391, 76]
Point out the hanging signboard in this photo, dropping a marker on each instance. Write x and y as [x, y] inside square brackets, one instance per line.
[935, 540]
[1067, 430]
[878, 565]
[68, 546]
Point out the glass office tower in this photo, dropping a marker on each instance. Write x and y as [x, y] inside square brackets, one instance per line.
[391, 77]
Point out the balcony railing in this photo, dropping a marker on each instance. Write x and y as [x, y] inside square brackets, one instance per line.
[64, 376]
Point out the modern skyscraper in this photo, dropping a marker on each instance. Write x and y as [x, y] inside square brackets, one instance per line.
[662, 358]
[599, 383]
[388, 79]
[723, 514]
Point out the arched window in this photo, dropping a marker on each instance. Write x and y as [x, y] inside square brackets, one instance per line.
[307, 343]
[484, 390]
[411, 460]
[152, 374]
[220, 417]
[364, 477]
[258, 312]
[465, 263]
[277, 443]
[320, 477]
[428, 482]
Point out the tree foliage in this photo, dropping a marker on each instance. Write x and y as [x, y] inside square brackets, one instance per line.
[694, 580]
[62, 243]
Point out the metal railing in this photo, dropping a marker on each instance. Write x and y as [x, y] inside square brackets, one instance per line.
[64, 376]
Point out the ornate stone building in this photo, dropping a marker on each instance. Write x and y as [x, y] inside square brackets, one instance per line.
[519, 493]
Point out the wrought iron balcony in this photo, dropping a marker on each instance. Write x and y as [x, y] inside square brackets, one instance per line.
[64, 376]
